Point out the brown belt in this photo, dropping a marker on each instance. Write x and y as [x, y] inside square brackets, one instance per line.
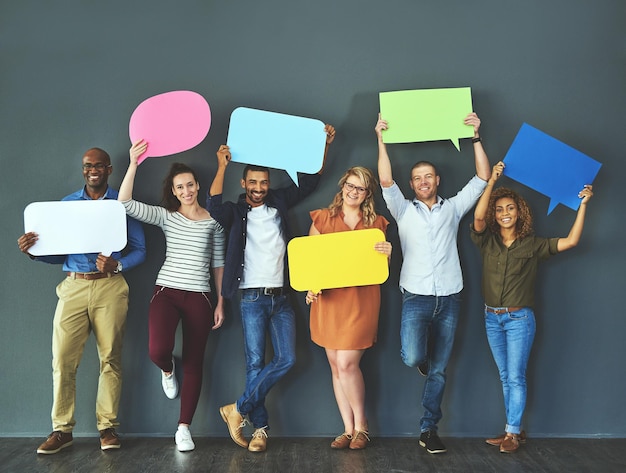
[89, 276]
[502, 310]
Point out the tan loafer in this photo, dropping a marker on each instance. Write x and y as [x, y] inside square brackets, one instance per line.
[510, 443]
[342, 441]
[359, 440]
[497, 441]
[235, 422]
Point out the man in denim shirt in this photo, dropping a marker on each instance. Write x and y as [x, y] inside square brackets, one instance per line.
[430, 278]
[256, 264]
[93, 296]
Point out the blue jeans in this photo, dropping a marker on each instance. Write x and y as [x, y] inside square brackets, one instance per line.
[510, 337]
[260, 315]
[427, 335]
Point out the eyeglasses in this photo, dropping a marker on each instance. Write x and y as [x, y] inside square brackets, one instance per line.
[350, 187]
[97, 166]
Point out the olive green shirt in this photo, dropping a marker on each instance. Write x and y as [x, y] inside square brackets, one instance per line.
[509, 274]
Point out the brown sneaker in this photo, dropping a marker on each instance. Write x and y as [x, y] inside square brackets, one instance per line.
[55, 442]
[235, 422]
[497, 441]
[510, 443]
[109, 439]
[342, 441]
[258, 442]
[359, 440]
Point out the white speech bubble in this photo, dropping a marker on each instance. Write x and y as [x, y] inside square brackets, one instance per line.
[76, 227]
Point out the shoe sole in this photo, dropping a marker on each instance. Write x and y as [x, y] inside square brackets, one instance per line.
[232, 436]
[423, 444]
[109, 447]
[51, 452]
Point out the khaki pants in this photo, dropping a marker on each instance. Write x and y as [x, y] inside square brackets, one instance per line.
[100, 306]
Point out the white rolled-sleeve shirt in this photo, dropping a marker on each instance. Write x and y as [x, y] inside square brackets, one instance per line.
[428, 237]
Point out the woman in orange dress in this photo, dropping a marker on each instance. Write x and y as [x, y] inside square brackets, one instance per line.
[345, 320]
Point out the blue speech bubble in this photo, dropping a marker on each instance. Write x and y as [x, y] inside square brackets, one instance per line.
[295, 144]
[549, 166]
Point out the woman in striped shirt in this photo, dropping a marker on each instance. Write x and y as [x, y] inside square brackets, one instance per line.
[194, 243]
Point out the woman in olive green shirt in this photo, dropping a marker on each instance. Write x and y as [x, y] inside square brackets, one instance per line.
[503, 231]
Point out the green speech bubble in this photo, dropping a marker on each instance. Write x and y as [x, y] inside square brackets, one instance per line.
[426, 115]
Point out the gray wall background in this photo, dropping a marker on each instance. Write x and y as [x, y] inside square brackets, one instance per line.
[73, 72]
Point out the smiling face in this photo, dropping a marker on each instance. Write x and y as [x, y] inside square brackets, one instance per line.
[96, 170]
[424, 182]
[506, 213]
[256, 185]
[354, 191]
[185, 188]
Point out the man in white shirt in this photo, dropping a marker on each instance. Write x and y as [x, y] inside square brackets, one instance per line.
[430, 278]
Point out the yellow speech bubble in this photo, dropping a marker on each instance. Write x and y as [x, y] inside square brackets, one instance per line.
[342, 259]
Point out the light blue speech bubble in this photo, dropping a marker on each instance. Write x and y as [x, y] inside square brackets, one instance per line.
[549, 166]
[295, 144]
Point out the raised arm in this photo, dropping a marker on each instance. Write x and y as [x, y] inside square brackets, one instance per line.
[330, 137]
[126, 188]
[577, 228]
[481, 207]
[384, 164]
[483, 169]
[223, 158]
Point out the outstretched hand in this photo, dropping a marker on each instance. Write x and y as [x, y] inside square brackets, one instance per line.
[473, 120]
[586, 194]
[380, 126]
[223, 156]
[497, 171]
[136, 150]
[330, 133]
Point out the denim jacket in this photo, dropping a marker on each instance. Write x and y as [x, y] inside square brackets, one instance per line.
[233, 217]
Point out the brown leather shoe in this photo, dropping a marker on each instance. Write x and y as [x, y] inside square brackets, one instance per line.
[235, 422]
[109, 439]
[510, 443]
[359, 440]
[496, 441]
[258, 442]
[55, 442]
[342, 441]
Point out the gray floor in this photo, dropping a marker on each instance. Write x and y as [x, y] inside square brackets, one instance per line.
[397, 455]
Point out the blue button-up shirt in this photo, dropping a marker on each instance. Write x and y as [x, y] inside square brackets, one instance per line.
[428, 238]
[86, 263]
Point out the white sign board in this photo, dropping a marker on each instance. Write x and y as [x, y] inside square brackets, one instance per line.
[77, 226]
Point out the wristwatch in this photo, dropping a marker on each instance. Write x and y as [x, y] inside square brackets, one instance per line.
[119, 267]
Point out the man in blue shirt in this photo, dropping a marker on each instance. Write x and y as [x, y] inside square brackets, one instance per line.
[93, 296]
[430, 278]
[256, 266]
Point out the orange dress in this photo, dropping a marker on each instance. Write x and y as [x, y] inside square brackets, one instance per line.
[345, 318]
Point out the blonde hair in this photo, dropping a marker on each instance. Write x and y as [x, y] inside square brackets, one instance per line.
[368, 211]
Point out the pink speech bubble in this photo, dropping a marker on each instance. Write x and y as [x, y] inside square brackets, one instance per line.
[171, 123]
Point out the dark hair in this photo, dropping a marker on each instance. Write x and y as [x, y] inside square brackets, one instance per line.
[524, 224]
[254, 167]
[169, 200]
[425, 163]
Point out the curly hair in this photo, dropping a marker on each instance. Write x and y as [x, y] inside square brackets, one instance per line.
[169, 200]
[524, 224]
[367, 206]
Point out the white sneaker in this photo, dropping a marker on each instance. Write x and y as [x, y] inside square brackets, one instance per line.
[184, 443]
[169, 383]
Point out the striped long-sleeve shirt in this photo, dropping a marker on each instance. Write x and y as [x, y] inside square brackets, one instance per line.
[192, 246]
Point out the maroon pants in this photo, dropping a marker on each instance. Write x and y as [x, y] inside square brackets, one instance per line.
[167, 308]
